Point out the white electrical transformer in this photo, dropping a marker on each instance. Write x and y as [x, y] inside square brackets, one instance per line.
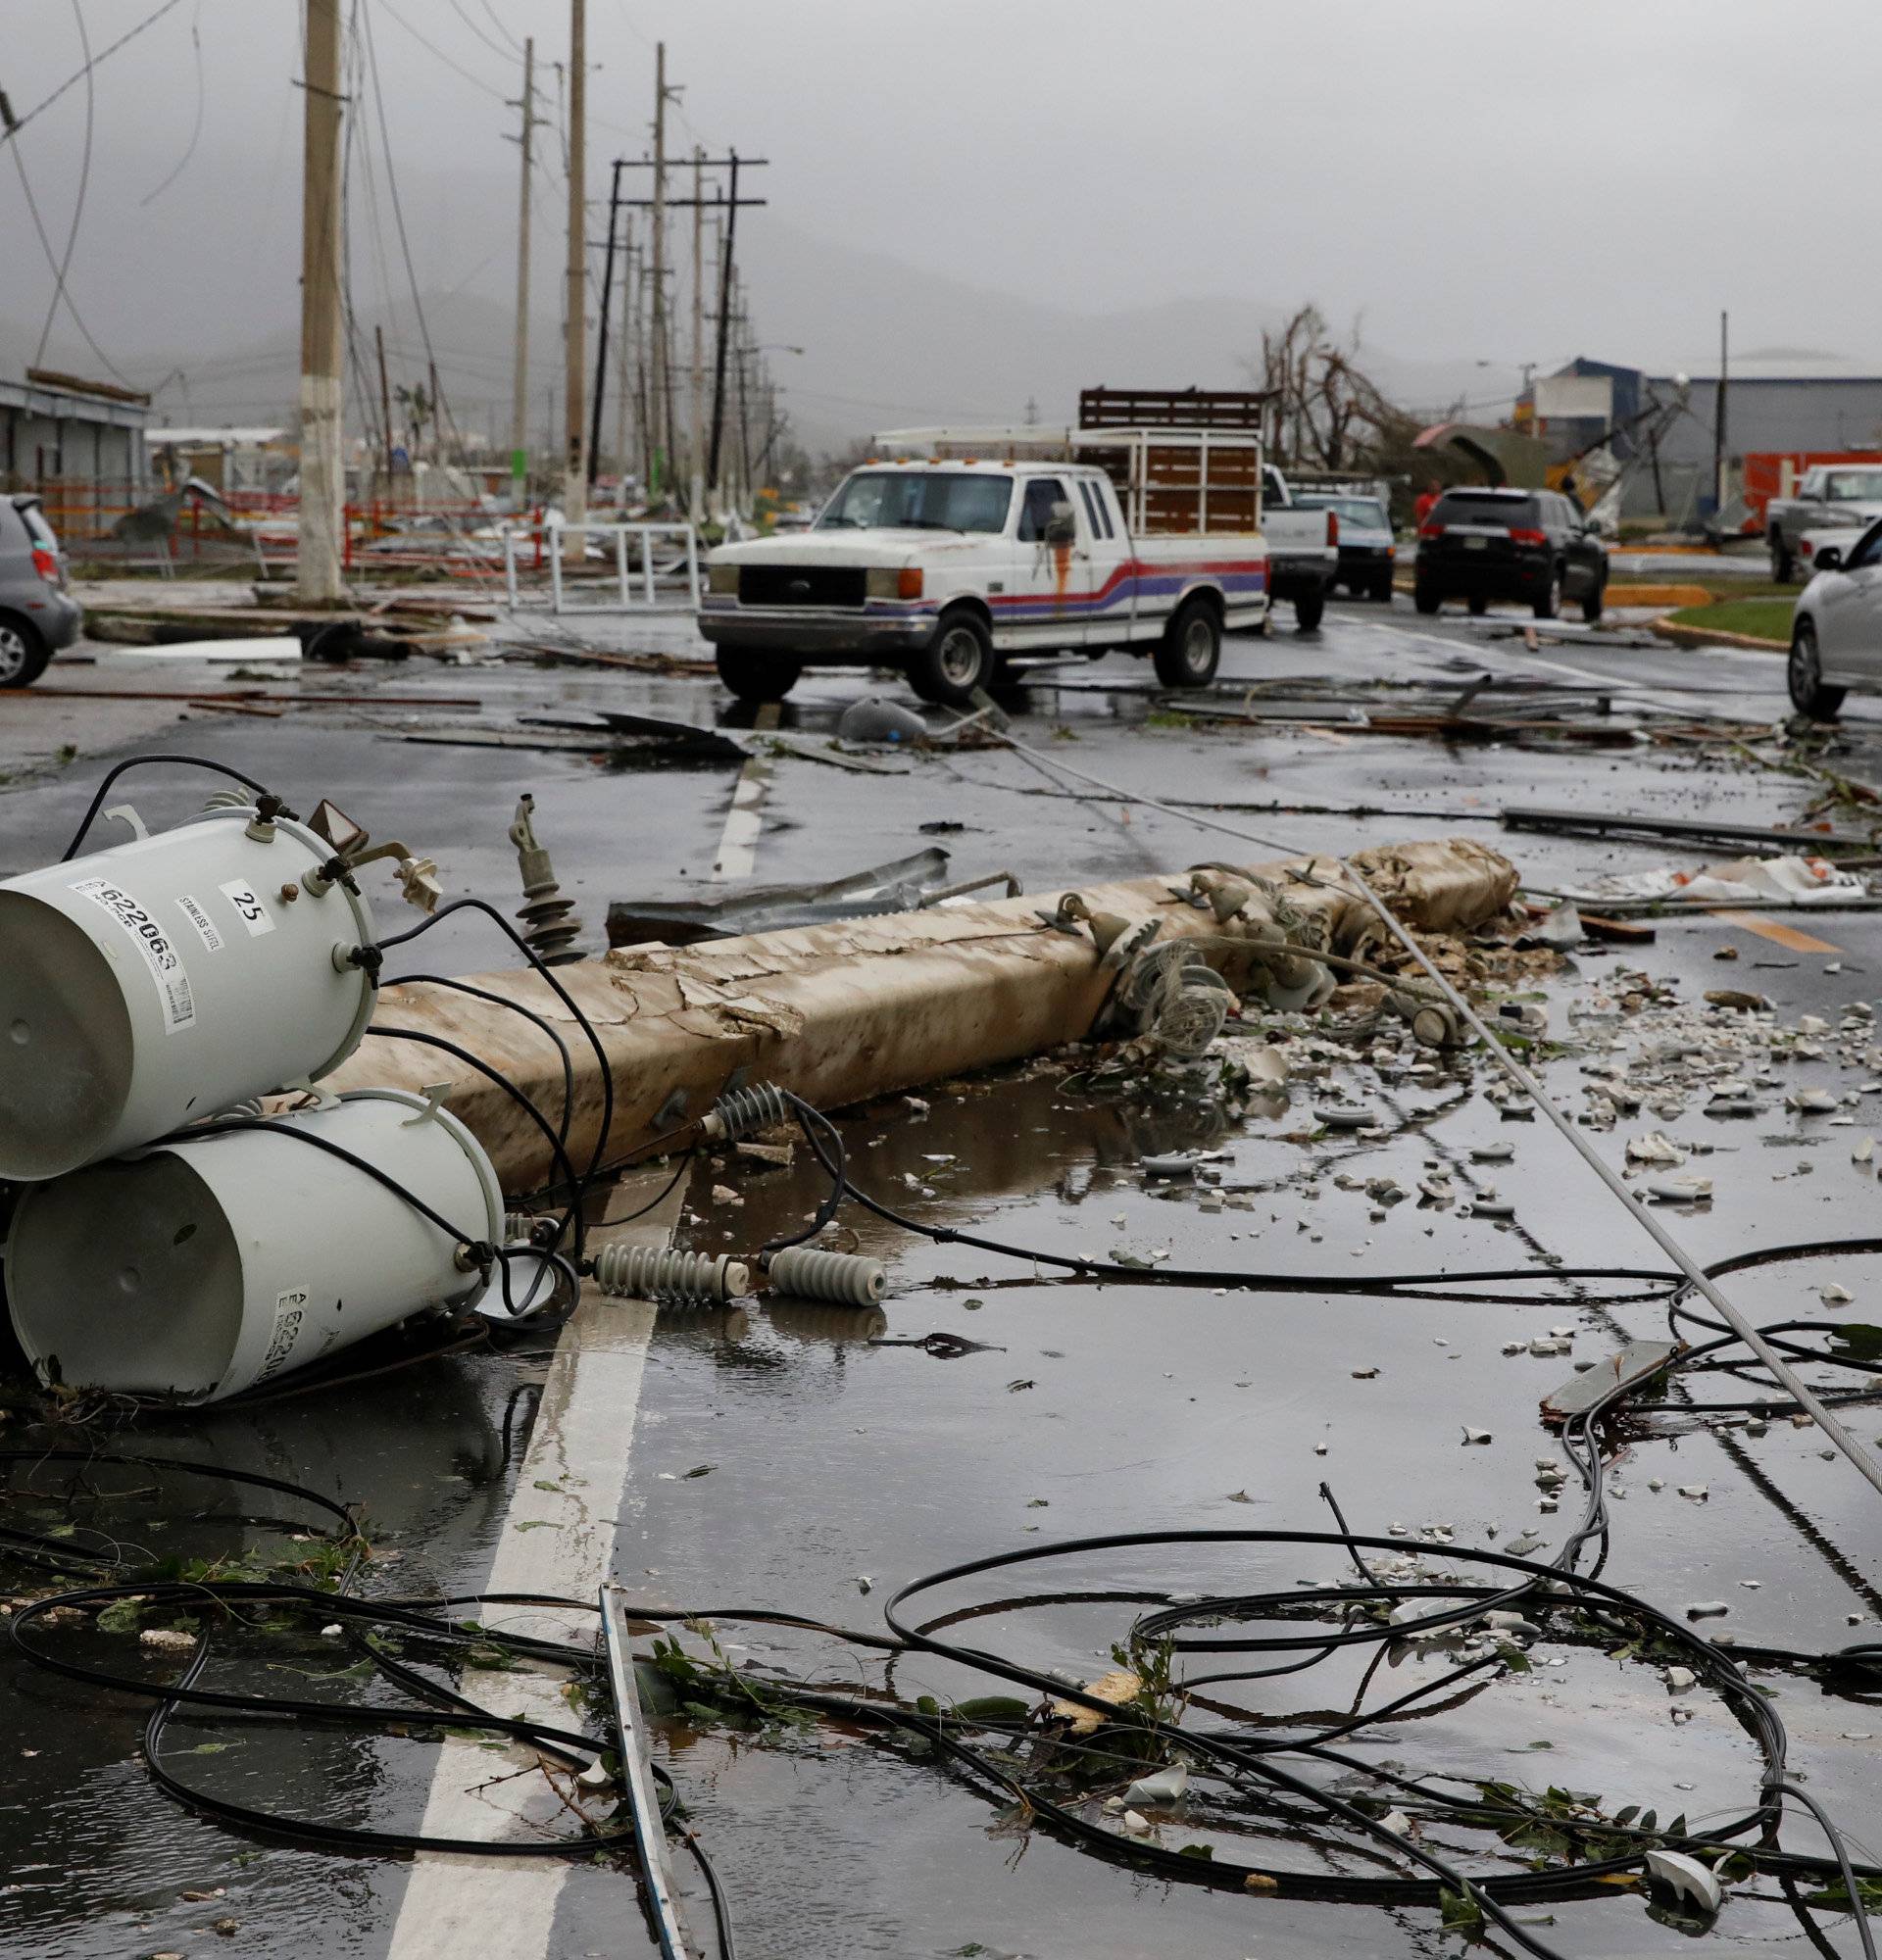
[148, 986]
[216, 1264]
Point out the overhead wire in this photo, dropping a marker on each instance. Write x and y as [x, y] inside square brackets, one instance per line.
[84, 74]
[196, 120]
[61, 292]
[438, 54]
[440, 409]
[78, 196]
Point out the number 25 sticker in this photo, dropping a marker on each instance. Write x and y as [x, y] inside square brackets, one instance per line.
[249, 907]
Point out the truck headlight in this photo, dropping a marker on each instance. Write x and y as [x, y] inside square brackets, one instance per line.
[722, 579]
[884, 581]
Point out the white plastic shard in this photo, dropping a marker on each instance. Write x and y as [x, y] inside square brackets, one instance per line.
[1688, 1878]
[1158, 1792]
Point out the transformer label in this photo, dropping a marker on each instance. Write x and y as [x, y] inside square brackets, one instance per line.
[290, 1316]
[201, 920]
[248, 908]
[165, 962]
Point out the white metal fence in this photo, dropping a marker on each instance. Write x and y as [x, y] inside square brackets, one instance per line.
[660, 574]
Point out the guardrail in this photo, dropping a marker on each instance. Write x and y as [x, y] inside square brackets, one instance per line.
[659, 580]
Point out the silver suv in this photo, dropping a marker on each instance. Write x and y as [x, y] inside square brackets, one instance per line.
[37, 614]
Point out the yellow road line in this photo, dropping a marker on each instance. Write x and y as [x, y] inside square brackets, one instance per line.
[1776, 930]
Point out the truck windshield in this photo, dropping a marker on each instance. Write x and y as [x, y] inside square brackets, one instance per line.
[920, 499]
[1855, 486]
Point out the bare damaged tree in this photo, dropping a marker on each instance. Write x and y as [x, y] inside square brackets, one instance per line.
[1327, 412]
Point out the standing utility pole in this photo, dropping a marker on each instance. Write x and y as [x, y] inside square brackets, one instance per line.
[662, 94]
[574, 494]
[723, 323]
[1718, 421]
[696, 430]
[322, 521]
[520, 390]
[624, 362]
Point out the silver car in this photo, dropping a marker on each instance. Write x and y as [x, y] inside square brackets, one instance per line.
[1836, 630]
[37, 614]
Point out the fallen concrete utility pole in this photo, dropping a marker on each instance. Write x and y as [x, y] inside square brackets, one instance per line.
[840, 1012]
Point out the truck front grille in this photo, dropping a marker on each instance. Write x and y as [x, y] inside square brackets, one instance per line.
[801, 585]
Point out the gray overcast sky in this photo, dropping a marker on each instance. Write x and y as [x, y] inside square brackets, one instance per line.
[1480, 180]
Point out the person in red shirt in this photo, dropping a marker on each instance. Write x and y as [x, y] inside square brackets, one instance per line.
[1427, 497]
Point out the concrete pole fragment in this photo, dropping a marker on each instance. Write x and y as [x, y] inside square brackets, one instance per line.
[839, 1013]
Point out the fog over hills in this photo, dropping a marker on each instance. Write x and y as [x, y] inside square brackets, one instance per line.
[885, 344]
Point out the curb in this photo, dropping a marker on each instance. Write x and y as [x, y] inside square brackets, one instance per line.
[1704, 636]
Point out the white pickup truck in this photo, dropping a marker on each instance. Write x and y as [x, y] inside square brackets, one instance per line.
[1829, 496]
[1148, 538]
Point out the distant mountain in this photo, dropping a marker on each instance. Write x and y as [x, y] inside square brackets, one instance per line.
[885, 344]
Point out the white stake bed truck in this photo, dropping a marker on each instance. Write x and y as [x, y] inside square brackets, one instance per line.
[1142, 528]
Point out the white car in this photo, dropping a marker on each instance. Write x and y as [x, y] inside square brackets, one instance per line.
[1836, 630]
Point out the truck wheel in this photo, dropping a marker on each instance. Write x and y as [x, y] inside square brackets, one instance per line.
[1804, 676]
[1191, 648]
[1590, 607]
[1427, 599]
[1309, 608]
[955, 663]
[1479, 605]
[1381, 589]
[1783, 567]
[759, 677]
[23, 651]
[1549, 601]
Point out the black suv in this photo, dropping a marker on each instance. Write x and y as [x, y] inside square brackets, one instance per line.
[1531, 546]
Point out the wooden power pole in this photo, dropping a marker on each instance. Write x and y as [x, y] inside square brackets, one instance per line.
[696, 429]
[519, 389]
[623, 359]
[323, 515]
[574, 482]
[661, 416]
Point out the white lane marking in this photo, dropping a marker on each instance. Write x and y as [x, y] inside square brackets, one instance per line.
[557, 1540]
[738, 843]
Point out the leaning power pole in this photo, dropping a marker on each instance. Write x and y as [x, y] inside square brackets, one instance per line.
[575, 480]
[520, 388]
[322, 516]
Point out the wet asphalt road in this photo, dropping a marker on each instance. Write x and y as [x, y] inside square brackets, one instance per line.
[1093, 1408]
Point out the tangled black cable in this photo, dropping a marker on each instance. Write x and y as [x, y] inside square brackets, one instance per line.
[144, 761]
[433, 1703]
[1538, 1588]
